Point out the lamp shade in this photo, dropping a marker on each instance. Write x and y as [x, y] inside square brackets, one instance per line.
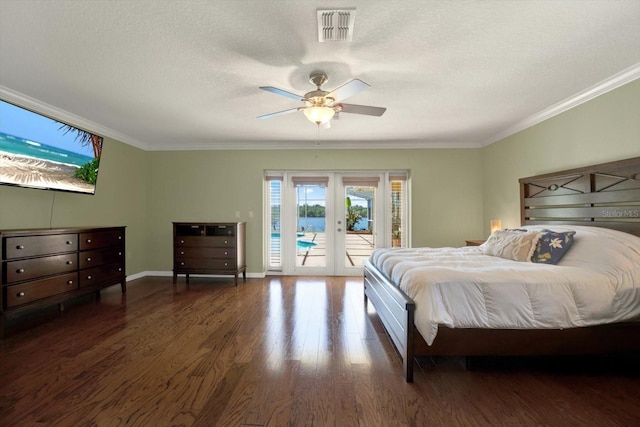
[496, 224]
[319, 115]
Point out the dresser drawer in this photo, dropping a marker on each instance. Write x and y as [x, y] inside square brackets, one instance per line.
[101, 239]
[192, 252]
[193, 241]
[101, 275]
[209, 241]
[205, 264]
[189, 230]
[100, 256]
[26, 269]
[220, 230]
[28, 246]
[37, 289]
[222, 242]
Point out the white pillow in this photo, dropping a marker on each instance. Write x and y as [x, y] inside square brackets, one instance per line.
[517, 245]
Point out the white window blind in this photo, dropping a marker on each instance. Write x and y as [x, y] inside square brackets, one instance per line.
[398, 183]
[273, 220]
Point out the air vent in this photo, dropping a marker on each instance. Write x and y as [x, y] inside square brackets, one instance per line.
[336, 25]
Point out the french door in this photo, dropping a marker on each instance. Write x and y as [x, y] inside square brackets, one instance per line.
[328, 223]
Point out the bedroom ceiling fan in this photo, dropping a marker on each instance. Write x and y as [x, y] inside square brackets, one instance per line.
[321, 106]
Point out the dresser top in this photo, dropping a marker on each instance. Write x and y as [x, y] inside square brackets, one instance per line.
[45, 231]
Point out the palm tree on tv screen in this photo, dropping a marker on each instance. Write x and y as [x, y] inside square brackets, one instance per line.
[85, 139]
[88, 172]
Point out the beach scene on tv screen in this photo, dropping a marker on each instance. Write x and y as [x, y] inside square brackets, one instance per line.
[38, 152]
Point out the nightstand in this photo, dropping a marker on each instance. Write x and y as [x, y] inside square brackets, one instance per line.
[474, 242]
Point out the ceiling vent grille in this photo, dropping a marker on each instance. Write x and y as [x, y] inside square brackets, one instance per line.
[336, 25]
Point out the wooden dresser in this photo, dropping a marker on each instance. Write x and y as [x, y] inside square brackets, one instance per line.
[209, 248]
[41, 267]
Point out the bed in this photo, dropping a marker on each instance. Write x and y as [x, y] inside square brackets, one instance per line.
[471, 302]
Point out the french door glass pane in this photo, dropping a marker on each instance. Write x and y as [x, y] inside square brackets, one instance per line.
[359, 221]
[311, 225]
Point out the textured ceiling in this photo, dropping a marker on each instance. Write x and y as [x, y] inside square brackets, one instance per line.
[185, 74]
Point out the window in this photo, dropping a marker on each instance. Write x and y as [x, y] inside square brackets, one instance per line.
[398, 204]
[273, 219]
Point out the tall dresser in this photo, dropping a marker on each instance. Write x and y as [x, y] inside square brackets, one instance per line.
[216, 248]
[42, 267]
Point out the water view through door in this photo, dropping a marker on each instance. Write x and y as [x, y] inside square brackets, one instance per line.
[311, 225]
[335, 223]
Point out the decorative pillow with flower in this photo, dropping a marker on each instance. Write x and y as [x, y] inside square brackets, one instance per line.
[551, 246]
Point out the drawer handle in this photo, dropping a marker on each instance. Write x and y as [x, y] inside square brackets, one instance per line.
[20, 294]
[119, 253]
[225, 264]
[88, 277]
[88, 258]
[181, 252]
[226, 253]
[69, 262]
[119, 237]
[69, 242]
[182, 263]
[88, 240]
[20, 270]
[69, 282]
[20, 247]
[226, 241]
[119, 268]
[181, 241]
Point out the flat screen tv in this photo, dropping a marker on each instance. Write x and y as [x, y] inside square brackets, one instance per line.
[39, 152]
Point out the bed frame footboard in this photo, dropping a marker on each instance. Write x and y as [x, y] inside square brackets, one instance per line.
[395, 309]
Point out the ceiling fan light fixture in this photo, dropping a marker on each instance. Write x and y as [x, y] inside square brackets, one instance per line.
[320, 106]
[319, 115]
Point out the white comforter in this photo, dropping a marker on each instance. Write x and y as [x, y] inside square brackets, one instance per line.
[597, 281]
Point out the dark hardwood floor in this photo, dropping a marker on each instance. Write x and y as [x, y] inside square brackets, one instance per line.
[278, 351]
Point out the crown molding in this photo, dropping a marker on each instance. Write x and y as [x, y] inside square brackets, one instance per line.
[319, 145]
[617, 80]
[60, 115]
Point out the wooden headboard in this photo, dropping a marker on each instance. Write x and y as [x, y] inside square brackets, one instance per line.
[604, 195]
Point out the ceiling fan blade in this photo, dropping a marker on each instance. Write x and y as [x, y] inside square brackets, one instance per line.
[282, 92]
[362, 109]
[348, 89]
[279, 113]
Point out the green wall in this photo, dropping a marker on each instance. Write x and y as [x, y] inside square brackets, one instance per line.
[604, 129]
[120, 199]
[446, 190]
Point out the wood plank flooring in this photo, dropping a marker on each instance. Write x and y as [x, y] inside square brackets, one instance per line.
[279, 351]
